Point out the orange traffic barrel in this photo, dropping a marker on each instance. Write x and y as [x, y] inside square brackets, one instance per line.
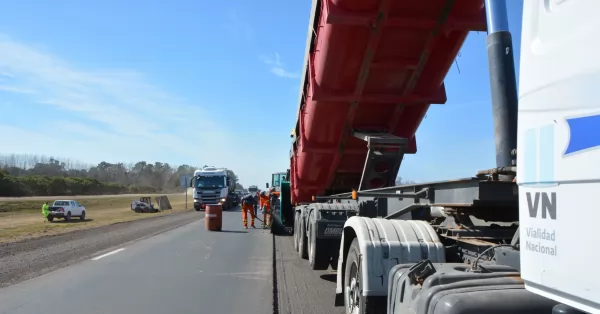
[213, 219]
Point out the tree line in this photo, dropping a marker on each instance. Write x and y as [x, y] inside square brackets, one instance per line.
[32, 175]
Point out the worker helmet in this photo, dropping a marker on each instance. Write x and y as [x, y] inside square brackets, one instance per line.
[262, 193]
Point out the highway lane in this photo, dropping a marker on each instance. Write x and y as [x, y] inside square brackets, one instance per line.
[184, 270]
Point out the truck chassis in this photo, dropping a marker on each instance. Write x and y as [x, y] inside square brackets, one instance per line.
[413, 239]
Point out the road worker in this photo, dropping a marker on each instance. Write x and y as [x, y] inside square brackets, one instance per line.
[248, 203]
[266, 207]
[45, 211]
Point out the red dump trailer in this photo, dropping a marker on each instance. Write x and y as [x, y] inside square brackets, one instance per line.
[371, 70]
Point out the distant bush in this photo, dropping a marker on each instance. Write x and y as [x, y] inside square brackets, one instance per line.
[31, 175]
[47, 186]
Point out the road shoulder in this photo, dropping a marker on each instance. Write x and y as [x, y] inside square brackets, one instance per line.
[31, 258]
[300, 289]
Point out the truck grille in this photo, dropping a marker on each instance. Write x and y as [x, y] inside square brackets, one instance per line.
[209, 197]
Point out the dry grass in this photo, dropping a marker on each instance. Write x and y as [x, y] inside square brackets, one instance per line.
[22, 218]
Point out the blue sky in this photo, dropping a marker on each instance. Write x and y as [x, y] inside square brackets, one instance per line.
[198, 82]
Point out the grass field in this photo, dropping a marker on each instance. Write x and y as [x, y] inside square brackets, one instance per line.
[21, 218]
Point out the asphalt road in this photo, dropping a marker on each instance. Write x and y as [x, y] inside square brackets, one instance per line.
[34, 257]
[301, 290]
[183, 270]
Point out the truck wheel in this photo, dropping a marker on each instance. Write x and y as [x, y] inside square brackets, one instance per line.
[318, 253]
[302, 245]
[354, 301]
[50, 218]
[296, 230]
[82, 217]
[68, 216]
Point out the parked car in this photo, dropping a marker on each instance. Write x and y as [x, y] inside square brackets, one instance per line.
[66, 209]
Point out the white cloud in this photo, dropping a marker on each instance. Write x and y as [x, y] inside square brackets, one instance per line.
[121, 117]
[277, 67]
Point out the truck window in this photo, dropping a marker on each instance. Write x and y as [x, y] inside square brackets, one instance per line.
[210, 182]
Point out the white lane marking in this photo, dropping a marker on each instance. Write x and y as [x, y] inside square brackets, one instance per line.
[107, 254]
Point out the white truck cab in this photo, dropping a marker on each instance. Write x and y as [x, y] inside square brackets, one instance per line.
[210, 186]
[557, 153]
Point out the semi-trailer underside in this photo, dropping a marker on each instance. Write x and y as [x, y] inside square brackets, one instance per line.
[372, 68]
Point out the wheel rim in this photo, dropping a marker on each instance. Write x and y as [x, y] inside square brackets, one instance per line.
[353, 290]
[301, 236]
[296, 232]
[310, 244]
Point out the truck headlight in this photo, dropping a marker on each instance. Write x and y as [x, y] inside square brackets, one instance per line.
[223, 200]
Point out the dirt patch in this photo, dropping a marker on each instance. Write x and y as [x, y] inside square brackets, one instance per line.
[22, 218]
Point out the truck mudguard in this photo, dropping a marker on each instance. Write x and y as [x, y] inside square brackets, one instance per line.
[384, 244]
[326, 217]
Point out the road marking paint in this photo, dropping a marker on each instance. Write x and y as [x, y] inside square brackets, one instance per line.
[107, 254]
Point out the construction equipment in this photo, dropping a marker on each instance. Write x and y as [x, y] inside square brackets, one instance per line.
[281, 207]
[144, 205]
[450, 246]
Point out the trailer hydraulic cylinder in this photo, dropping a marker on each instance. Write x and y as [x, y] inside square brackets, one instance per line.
[502, 82]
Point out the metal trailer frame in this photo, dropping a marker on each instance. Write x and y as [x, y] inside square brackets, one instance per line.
[463, 222]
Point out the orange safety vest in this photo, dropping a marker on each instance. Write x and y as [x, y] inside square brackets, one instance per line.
[265, 201]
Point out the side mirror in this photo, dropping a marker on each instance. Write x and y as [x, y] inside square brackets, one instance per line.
[267, 185]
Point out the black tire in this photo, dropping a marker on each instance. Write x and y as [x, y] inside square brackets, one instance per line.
[302, 241]
[68, 216]
[318, 250]
[50, 218]
[82, 217]
[296, 229]
[197, 209]
[352, 289]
